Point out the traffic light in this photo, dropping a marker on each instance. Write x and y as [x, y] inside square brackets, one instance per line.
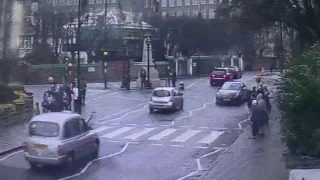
[110, 55]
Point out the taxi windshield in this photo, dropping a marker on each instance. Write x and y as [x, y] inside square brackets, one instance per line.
[44, 129]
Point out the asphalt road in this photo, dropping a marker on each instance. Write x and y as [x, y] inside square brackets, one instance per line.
[138, 145]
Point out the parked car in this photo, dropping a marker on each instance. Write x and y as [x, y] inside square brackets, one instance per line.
[166, 98]
[232, 93]
[59, 138]
[237, 74]
[219, 76]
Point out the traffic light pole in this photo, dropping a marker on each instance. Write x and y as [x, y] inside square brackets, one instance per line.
[105, 40]
[78, 41]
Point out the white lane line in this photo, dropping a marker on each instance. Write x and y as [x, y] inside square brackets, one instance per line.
[162, 134]
[211, 137]
[133, 99]
[89, 163]
[203, 127]
[202, 147]
[186, 136]
[124, 115]
[113, 141]
[131, 124]
[192, 84]
[147, 125]
[115, 123]
[100, 129]
[10, 155]
[176, 145]
[117, 132]
[183, 126]
[135, 136]
[114, 84]
[239, 124]
[156, 144]
[193, 110]
[163, 125]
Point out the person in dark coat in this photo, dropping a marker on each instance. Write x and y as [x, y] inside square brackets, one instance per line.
[259, 117]
[266, 99]
[128, 79]
[169, 74]
[252, 96]
[143, 75]
[83, 86]
[174, 78]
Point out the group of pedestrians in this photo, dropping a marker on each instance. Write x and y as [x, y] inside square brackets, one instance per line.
[61, 98]
[259, 107]
[171, 78]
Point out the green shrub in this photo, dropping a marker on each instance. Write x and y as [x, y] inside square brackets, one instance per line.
[299, 103]
[16, 87]
[7, 95]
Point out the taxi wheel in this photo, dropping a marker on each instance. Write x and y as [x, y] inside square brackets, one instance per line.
[33, 166]
[70, 160]
[95, 153]
[151, 110]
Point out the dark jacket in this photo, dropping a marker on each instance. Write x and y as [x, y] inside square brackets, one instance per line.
[174, 76]
[259, 116]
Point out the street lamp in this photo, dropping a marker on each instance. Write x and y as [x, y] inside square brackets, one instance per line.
[124, 45]
[148, 42]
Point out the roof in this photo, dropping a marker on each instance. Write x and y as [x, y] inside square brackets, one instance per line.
[164, 88]
[55, 117]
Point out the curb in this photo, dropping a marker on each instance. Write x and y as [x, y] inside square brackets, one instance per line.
[2, 153]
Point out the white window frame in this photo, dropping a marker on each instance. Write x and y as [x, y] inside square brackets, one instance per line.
[179, 13]
[69, 2]
[146, 4]
[163, 3]
[171, 3]
[195, 12]
[172, 13]
[187, 2]
[76, 2]
[211, 1]
[203, 1]
[187, 12]
[204, 13]
[98, 1]
[164, 14]
[55, 2]
[61, 3]
[91, 1]
[195, 2]
[212, 13]
[179, 2]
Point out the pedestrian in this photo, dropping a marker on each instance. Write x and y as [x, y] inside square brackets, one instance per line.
[174, 78]
[127, 78]
[258, 118]
[252, 96]
[143, 75]
[76, 98]
[37, 109]
[169, 73]
[267, 99]
[83, 90]
[263, 105]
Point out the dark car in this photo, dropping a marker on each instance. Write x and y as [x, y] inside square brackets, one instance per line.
[232, 93]
[219, 76]
[237, 74]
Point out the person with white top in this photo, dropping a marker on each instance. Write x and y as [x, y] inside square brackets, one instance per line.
[76, 99]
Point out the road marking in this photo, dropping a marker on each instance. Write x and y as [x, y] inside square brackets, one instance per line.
[133, 99]
[183, 126]
[192, 84]
[131, 124]
[115, 123]
[156, 144]
[147, 125]
[162, 134]
[211, 137]
[139, 134]
[113, 141]
[176, 145]
[203, 127]
[10, 155]
[202, 147]
[124, 115]
[186, 136]
[117, 132]
[163, 125]
[116, 85]
[239, 124]
[100, 129]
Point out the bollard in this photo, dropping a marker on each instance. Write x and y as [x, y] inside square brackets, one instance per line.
[181, 86]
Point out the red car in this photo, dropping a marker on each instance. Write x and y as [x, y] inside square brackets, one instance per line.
[220, 75]
[237, 74]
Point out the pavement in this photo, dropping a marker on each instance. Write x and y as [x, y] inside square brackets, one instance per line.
[163, 145]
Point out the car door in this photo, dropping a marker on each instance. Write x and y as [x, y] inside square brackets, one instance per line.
[71, 137]
[86, 139]
[178, 97]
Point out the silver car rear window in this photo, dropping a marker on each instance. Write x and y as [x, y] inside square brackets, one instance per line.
[44, 129]
[161, 93]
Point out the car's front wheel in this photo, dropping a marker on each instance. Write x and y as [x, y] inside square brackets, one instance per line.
[33, 166]
[151, 110]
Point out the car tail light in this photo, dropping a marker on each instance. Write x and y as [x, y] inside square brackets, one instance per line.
[170, 100]
[59, 151]
[225, 76]
[213, 75]
[25, 147]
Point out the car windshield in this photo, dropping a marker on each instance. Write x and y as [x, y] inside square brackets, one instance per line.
[161, 93]
[231, 86]
[44, 129]
[219, 71]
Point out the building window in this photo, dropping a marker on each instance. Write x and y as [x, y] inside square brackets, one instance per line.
[171, 3]
[187, 13]
[179, 2]
[203, 1]
[164, 14]
[195, 13]
[172, 13]
[212, 14]
[76, 2]
[204, 13]
[99, 1]
[69, 2]
[55, 2]
[91, 1]
[179, 13]
[113, 1]
[26, 43]
[187, 2]
[194, 2]
[61, 2]
[163, 3]
[211, 1]
[48, 1]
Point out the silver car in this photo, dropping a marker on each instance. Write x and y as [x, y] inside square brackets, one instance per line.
[59, 138]
[166, 98]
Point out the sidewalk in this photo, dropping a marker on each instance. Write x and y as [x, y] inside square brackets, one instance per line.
[254, 159]
[11, 136]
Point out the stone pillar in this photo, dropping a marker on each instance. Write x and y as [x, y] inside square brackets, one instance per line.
[222, 63]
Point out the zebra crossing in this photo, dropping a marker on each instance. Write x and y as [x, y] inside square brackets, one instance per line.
[163, 135]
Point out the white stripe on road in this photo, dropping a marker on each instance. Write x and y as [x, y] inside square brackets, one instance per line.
[162, 134]
[211, 137]
[100, 129]
[117, 132]
[186, 136]
[139, 134]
